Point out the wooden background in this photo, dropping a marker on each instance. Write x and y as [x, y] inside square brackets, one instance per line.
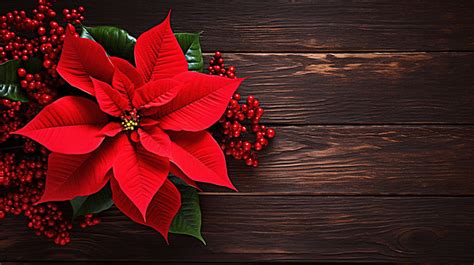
[373, 103]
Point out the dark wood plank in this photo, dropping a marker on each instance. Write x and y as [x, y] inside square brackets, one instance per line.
[361, 88]
[303, 25]
[298, 25]
[426, 160]
[121, 263]
[277, 228]
[320, 88]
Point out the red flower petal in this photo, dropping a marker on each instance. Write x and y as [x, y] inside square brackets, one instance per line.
[140, 174]
[70, 125]
[81, 59]
[199, 104]
[180, 174]
[111, 129]
[161, 212]
[148, 122]
[134, 137]
[155, 140]
[155, 94]
[69, 176]
[123, 85]
[129, 70]
[158, 54]
[111, 101]
[199, 157]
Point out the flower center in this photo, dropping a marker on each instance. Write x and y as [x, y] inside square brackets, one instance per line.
[130, 120]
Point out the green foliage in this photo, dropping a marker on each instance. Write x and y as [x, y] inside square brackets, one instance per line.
[117, 42]
[94, 203]
[9, 85]
[191, 47]
[188, 220]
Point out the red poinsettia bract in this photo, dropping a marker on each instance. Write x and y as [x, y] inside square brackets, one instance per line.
[149, 120]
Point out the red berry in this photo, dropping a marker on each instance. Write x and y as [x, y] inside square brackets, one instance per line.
[256, 103]
[40, 16]
[270, 133]
[24, 83]
[247, 146]
[249, 161]
[21, 72]
[45, 99]
[250, 100]
[41, 31]
[47, 64]
[236, 96]
[255, 163]
[53, 24]
[250, 113]
[29, 77]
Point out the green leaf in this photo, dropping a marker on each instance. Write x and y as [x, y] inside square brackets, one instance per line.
[85, 34]
[188, 220]
[94, 203]
[116, 41]
[9, 86]
[191, 47]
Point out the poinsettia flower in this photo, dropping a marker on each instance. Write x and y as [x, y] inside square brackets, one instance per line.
[148, 120]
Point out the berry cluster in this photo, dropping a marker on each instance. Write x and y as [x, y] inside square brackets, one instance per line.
[21, 186]
[22, 181]
[233, 127]
[42, 91]
[89, 220]
[47, 38]
[217, 67]
[30, 36]
[44, 41]
[12, 116]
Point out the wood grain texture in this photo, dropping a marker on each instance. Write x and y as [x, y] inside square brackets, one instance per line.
[127, 263]
[277, 228]
[362, 88]
[120, 263]
[303, 25]
[416, 160]
[297, 25]
[334, 88]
